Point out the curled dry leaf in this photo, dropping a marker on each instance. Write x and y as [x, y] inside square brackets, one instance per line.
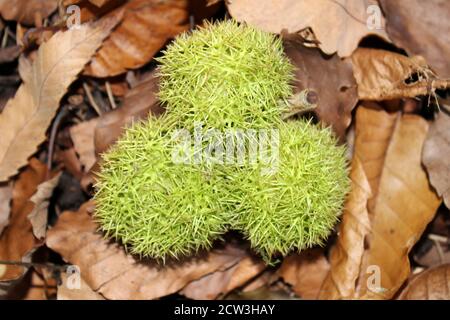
[338, 25]
[222, 282]
[26, 117]
[27, 11]
[305, 272]
[146, 26]
[431, 284]
[82, 136]
[330, 78]
[111, 272]
[421, 28]
[384, 75]
[17, 240]
[436, 155]
[387, 211]
[5, 200]
[41, 199]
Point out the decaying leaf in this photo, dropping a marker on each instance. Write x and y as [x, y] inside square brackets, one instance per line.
[146, 26]
[421, 28]
[111, 272]
[224, 281]
[138, 102]
[370, 259]
[83, 292]
[347, 254]
[83, 141]
[384, 75]
[9, 54]
[26, 117]
[27, 11]
[436, 156]
[5, 199]
[41, 199]
[305, 272]
[17, 240]
[338, 25]
[431, 284]
[330, 78]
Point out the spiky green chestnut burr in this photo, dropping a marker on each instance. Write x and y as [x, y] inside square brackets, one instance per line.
[157, 208]
[297, 204]
[225, 75]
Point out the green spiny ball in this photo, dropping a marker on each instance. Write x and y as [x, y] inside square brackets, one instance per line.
[298, 201]
[156, 207]
[225, 75]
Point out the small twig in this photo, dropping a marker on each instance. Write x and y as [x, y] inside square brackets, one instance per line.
[91, 99]
[5, 37]
[110, 96]
[34, 265]
[438, 238]
[54, 131]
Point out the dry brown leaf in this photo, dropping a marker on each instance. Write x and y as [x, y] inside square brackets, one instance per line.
[421, 28]
[5, 200]
[17, 241]
[82, 136]
[71, 162]
[33, 286]
[431, 284]
[41, 199]
[138, 102]
[99, 3]
[83, 293]
[377, 242]
[383, 75]
[305, 272]
[27, 116]
[339, 25]
[436, 156]
[222, 282]
[147, 25]
[331, 78]
[9, 54]
[347, 254]
[109, 271]
[27, 11]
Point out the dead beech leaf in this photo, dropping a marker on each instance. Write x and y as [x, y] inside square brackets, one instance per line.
[431, 284]
[17, 240]
[82, 136]
[305, 272]
[421, 28]
[338, 25]
[138, 102]
[83, 293]
[27, 11]
[9, 54]
[347, 254]
[222, 282]
[109, 271]
[41, 199]
[145, 28]
[383, 75]
[330, 78]
[436, 156]
[5, 199]
[27, 116]
[376, 242]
